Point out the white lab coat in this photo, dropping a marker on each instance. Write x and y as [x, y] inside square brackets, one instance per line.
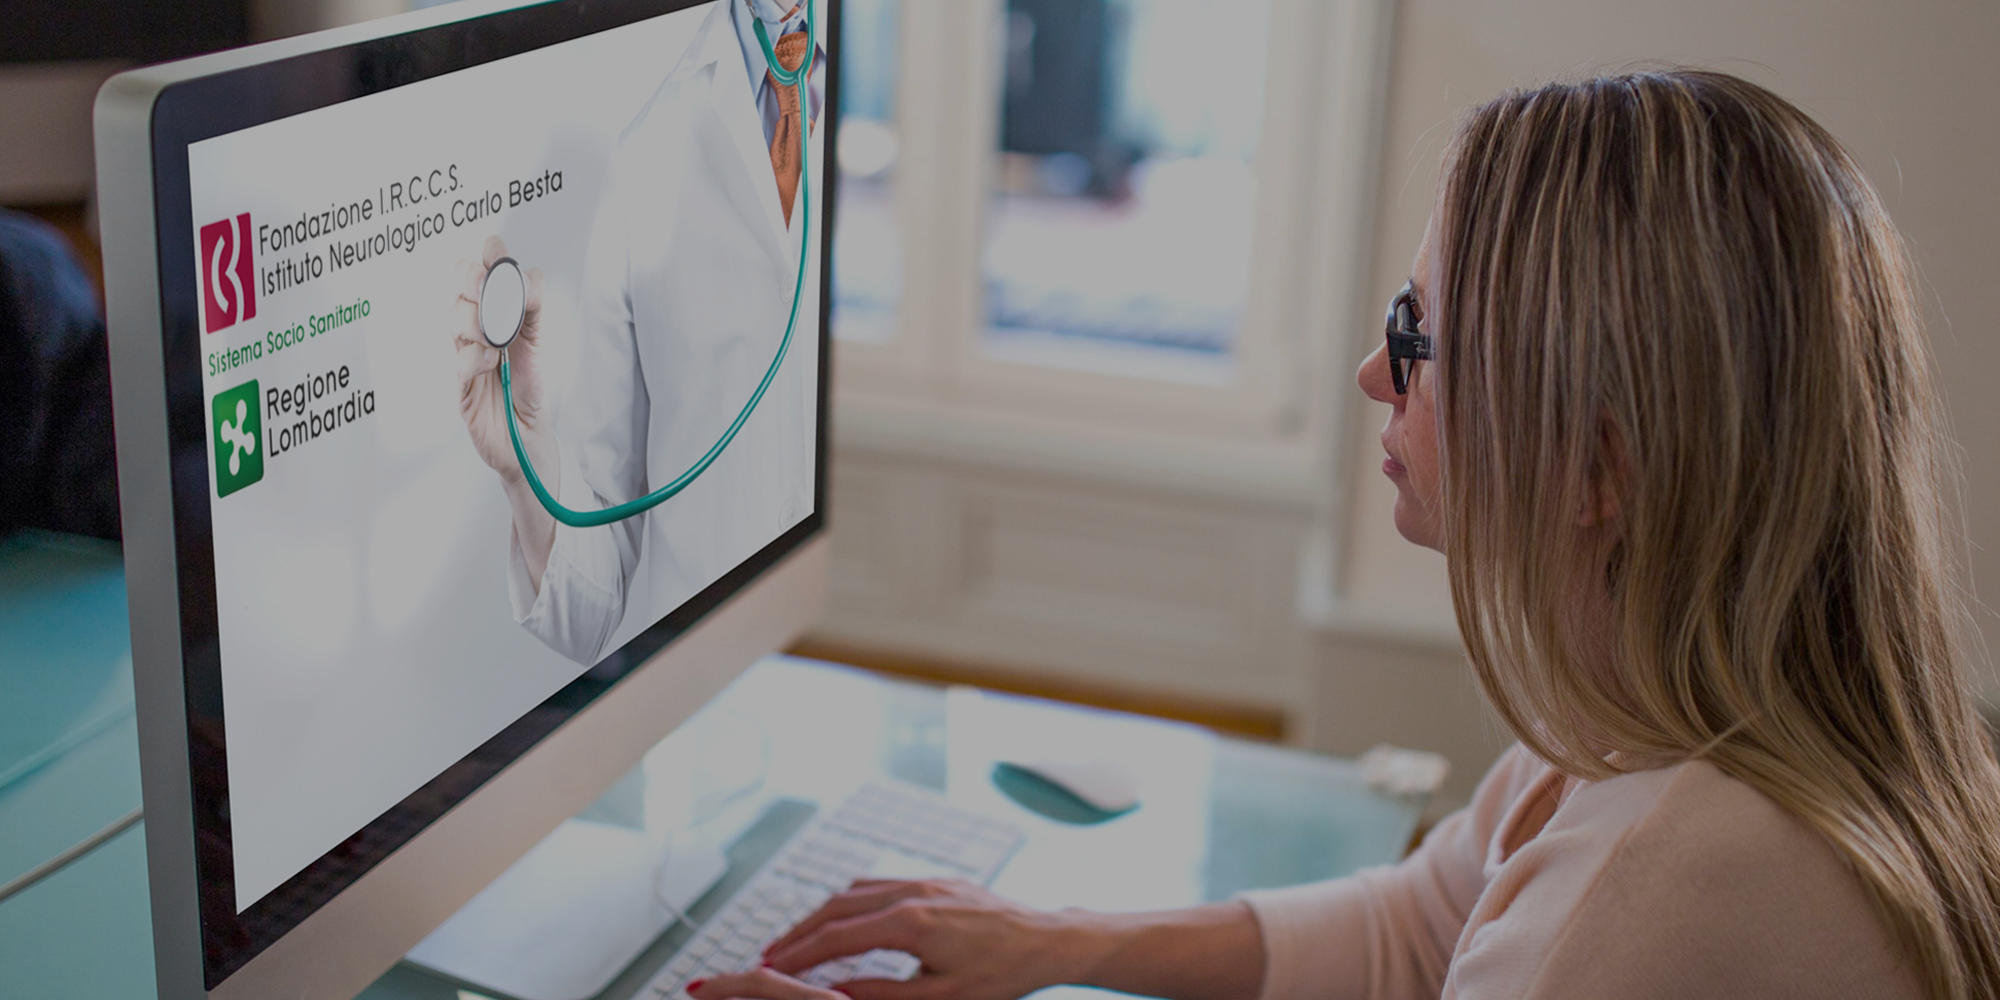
[687, 287]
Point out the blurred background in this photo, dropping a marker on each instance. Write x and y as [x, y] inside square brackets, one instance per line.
[1103, 270]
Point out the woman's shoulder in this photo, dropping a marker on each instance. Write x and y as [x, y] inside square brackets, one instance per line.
[1675, 881]
[1688, 815]
[1693, 812]
[1692, 831]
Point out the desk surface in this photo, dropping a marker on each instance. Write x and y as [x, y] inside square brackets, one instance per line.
[1217, 815]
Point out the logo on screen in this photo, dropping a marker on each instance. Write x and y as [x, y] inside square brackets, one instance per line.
[238, 425]
[227, 293]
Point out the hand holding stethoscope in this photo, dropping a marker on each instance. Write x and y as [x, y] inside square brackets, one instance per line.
[500, 303]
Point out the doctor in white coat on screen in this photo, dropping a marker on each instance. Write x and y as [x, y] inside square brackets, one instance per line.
[687, 287]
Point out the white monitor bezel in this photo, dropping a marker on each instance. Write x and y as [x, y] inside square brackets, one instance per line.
[342, 946]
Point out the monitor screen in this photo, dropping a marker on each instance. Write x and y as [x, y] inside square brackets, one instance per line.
[510, 348]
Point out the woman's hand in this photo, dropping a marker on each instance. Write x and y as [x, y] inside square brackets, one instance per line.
[973, 944]
[757, 984]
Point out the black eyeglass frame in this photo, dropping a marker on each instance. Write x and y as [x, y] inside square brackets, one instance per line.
[1407, 343]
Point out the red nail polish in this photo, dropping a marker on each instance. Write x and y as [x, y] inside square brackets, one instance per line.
[693, 986]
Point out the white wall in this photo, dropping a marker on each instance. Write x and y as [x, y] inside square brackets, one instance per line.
[1909, 87]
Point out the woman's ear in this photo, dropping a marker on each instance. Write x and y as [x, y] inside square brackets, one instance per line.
[1610, 478]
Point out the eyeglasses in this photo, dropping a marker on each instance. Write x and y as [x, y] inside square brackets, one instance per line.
[1407, 344]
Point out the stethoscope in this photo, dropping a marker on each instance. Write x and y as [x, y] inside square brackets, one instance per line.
[503, 311]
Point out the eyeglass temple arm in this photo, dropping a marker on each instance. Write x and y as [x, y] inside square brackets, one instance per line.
[1409, 346]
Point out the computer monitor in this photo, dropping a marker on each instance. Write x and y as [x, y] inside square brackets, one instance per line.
[466, 445]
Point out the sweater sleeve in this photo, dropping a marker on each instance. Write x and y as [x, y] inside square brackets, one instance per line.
[1387, 933]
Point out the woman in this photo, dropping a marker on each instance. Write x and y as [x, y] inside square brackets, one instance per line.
[1659, 394]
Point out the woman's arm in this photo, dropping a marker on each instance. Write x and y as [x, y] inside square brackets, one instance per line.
[978, 946]
[1213, 952]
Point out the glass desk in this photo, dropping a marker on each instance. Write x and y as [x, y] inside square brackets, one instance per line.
[69, 767]
[1217, 815]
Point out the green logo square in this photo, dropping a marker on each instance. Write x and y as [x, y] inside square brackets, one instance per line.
[239, 423]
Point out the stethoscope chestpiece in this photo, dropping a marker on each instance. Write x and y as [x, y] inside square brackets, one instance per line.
[503, 302]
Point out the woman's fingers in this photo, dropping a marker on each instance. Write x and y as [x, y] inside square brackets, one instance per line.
[893, 928]
[757, 984]
[864, 897]
[920, 988]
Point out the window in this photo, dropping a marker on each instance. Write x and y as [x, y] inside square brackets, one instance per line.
[867, 255]
[1120, 219]
[1139, 218]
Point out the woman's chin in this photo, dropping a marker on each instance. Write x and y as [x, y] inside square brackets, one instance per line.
[1414, 522]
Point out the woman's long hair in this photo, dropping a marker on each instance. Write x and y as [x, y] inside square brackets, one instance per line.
[1677, 291]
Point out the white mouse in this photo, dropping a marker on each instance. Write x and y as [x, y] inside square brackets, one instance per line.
[1098, 784]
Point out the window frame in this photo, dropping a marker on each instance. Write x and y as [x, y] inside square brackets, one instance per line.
[1318, 142]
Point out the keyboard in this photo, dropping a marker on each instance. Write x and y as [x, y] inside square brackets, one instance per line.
[884, 830]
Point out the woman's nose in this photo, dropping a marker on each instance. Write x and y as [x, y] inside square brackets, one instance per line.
[1373, 376]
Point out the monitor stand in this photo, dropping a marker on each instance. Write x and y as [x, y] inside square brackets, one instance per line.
[572, 913]
[583, 904]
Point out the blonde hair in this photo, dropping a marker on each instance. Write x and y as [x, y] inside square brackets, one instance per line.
[1678, 288]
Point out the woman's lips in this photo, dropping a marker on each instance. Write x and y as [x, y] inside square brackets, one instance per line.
[1392, 467]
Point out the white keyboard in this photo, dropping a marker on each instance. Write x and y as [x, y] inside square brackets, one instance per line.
[883, 830]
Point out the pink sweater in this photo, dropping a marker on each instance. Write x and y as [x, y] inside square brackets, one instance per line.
[1676, 882]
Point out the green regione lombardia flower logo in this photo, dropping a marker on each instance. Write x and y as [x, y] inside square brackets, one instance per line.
[239, 461]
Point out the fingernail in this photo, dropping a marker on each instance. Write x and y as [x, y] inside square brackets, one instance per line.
[693, 986]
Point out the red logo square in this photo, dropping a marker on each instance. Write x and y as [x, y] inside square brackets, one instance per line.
[228, 295]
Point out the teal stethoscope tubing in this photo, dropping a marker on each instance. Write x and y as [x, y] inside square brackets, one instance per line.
[631, 508]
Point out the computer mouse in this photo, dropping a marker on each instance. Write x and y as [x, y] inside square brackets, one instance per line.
[1085, 791]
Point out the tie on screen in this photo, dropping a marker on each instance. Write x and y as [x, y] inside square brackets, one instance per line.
[786, 147]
